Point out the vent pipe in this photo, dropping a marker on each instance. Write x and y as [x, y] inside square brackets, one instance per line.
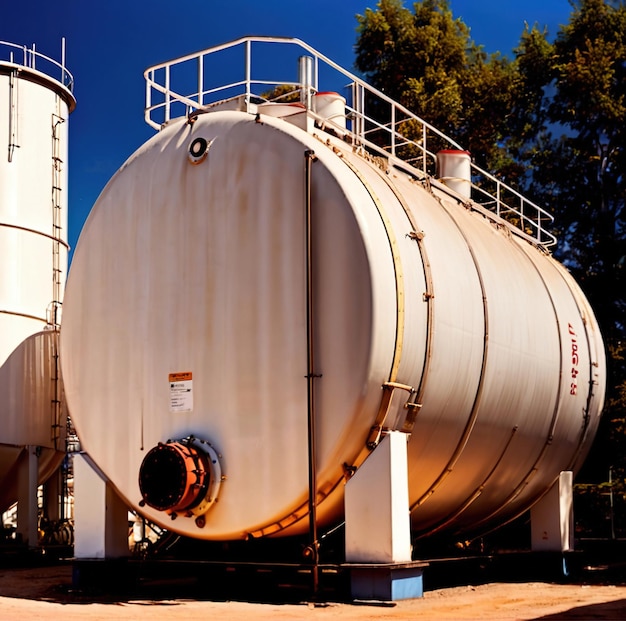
[305, 76]
[454, 169]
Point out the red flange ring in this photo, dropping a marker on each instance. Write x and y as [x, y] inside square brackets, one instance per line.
[174, 477]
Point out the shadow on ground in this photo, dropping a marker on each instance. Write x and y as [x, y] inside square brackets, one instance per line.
[609, 611]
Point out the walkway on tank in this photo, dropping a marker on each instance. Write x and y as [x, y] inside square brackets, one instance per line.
[192, 84]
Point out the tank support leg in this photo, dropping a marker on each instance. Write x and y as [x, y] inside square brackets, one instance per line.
[552, 518]
[52, 497]
[27, 506]
[100, 516]
[378, 536]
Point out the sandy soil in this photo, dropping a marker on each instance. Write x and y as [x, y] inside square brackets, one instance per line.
[44, 593]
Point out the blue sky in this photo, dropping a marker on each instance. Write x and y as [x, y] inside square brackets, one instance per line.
[109, 43]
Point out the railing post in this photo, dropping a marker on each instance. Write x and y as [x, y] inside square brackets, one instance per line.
[63, 61]
[149, 95]
[393, 130]
[424, 149]
[498, 202]
[354, 116]
[248, 69]
[362, 106]
[167, 94]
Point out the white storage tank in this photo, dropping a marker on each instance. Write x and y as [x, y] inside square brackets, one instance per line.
[204, 321]
[35, 102]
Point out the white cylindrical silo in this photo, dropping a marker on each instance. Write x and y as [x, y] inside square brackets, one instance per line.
[189, 339]
[35, 103]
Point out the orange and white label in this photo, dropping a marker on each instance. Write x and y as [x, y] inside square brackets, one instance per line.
[180, 377]
[181, 392]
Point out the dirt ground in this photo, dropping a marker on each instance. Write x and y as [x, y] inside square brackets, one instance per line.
[46, 593]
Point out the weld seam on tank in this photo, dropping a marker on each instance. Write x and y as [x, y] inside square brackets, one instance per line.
[397, 266]
[556, 411]
[429, 297]
[471, 422]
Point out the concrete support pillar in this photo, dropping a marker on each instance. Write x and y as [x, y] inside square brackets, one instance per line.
[27, 502]
[100, 516]
[377, 505]
[552, 518]
[378, 529]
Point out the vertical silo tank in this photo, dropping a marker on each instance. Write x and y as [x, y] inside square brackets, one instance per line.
[242, 274]
[35, 102]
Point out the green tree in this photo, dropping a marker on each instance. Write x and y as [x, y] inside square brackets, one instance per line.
[427, 61]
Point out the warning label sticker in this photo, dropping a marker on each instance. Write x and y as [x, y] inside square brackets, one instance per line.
[181, 392]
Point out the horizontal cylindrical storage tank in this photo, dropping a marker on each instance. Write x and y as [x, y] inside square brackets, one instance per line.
[236, 276]
[34, 109]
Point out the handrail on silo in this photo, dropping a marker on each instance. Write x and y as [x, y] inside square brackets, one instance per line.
[32, 59]
[375, 122]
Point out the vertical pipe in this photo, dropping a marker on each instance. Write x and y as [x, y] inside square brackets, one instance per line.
[200, 80]
[12, 111]
[305, 77]
[311, 376]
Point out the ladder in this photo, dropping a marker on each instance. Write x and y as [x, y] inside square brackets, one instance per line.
[54, 318]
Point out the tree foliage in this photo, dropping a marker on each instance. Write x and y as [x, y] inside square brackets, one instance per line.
[579, 167]
[551, 120]
[427, 61]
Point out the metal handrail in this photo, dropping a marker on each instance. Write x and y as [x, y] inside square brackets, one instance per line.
[32, 59]
[375, 122]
